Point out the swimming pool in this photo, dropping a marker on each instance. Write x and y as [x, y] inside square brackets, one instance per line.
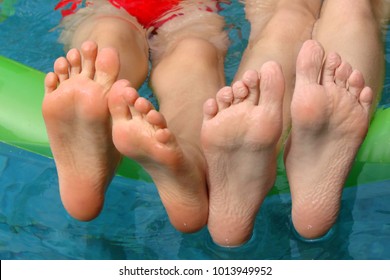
[133, 225]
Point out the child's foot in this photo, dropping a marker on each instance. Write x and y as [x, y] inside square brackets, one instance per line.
[141, 133]
[78, 124]
[330, 119]
[240, 132]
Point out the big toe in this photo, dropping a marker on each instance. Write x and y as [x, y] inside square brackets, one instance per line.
[107, 67]
[120, 97]
[272, 85]
[309, 62]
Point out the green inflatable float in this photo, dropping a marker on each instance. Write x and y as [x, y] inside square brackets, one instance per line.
[21, 125]
[21, 122]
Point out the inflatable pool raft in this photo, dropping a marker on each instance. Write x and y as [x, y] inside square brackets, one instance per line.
[21, 122]
[21, 125]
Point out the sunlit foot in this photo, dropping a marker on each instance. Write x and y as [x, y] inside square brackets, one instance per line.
[78, 124]
[240, 132]
[330, 119]
[141, 133]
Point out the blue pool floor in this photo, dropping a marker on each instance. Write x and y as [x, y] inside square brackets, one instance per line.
[133, 224]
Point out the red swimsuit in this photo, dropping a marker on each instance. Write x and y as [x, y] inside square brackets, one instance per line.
[146, 12]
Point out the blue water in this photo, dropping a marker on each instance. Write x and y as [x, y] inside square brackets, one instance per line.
[133, 224]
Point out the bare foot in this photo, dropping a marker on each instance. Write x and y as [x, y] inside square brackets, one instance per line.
[78, 124]
[329, 122]
[141, 133]
[240, 132]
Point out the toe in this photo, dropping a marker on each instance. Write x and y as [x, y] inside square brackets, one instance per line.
[366, 99]
[164, 136]
[210, 109]
[61, 68]
[51, 81]
[142, 106]
[156, 119]
[107, 67]
[271, 85]
[74, 58]
[224, 98]
[240, 92]
[356, 83]
[332, 62]
[119, 99]
[343, 72]
[364, 94]
[89, 52]
[251, 81]
[309, 63]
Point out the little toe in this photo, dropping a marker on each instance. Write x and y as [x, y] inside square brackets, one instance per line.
[366, 99]
[210, 109]
[224, 98]
[89, 52]
[51, 82]
[74, 58]
[61, 68]
[356, 83]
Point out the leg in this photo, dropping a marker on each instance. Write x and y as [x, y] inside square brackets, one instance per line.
[192, 62]
[188, 73]
[278, 29]
[127, 40]
[316, 201]
[359, 41]
[76, 110]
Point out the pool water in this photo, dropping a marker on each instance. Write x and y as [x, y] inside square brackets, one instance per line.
[133, 224]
